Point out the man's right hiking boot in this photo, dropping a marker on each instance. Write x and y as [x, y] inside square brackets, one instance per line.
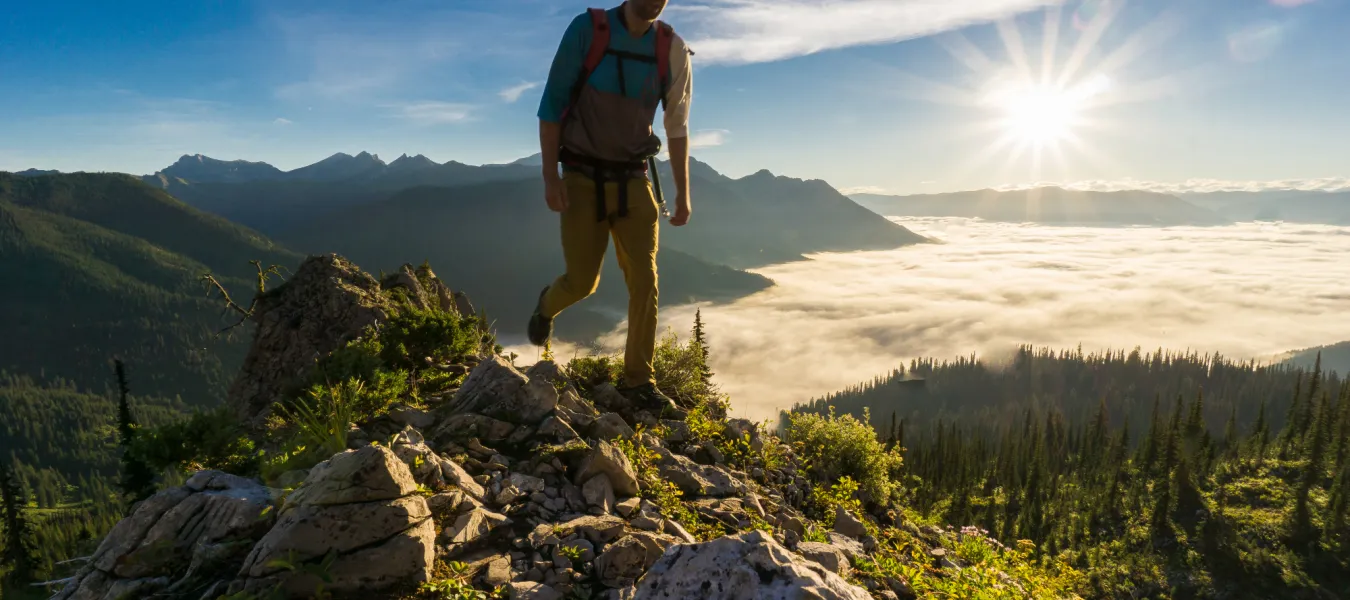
[540, 328]
[648, 397]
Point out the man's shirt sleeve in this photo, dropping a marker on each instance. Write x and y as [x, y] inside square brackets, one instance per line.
[681, 91]
[567, 63]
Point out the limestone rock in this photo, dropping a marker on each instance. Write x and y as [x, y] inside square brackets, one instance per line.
[599, 493]
[629, 506]
[598, 529]
[608, 398]
[462, 427]
[557, 429]
[571, 401]
[743, 428]
[698, 480]
[609, 460]
[748, 565]
[181, 532]
[498, 571]
[325, 304]
[851, 548]
[372, 473]
[496, 389]
[676, 530]
[529, 590]
[431, 469]
[609, 426]
[847, 524]
[831, 557]
[624, 561]
[473, 525]
[411, 417]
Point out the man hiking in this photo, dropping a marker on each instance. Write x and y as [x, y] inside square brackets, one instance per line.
[611, 71]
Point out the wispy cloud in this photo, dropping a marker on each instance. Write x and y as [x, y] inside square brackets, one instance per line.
[708, 138]
[1190, 186]
[513, 93]
[282, 121]
[432, 113]
[750, 31]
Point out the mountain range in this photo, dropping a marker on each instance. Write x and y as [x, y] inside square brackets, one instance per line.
[1049, 205]
[1298, 206]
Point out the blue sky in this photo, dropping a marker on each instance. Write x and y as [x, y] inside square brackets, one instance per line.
[899, 96]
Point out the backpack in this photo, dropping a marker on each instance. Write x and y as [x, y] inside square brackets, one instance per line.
[600, 47]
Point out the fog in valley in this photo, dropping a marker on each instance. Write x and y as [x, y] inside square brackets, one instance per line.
[1253, 290]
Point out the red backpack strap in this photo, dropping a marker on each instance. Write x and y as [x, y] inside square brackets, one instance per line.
[599, 39]
[594, 54]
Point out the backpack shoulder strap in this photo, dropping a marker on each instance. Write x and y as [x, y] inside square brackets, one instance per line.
[665, 35]
[599, 39]
[594, 54]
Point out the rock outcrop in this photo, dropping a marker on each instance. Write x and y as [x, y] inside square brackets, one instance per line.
[327, 303]
[735, 567]
[357, 517]
[181, 540]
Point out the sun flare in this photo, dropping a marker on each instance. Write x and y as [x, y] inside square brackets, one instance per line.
[1040, 115]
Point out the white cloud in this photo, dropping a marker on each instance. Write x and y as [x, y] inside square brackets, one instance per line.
[992, 286]
[708, 138]
[1324, 184]
[282, 121]
[862, 189]
[513, 93]
[433, 113]
[750, 31]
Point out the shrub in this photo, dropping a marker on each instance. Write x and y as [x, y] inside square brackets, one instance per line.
[206, 440]
[837, 446]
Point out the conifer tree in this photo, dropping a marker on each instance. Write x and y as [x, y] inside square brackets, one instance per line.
[1261, 434]
[1151, 442]
[137, 479]
[701, 341]
[1287, 436]
[1230, 434]
[1313, 473]
[20, 552]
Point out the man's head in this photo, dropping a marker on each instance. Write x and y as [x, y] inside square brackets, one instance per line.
[647, 10]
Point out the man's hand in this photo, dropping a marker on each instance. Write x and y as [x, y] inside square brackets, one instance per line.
[555, 192]
[682, 211]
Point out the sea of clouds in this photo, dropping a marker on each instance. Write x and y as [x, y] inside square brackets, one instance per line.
[1253, 290]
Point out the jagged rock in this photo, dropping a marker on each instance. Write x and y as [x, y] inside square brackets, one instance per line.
[498, 571]
[609, 426]
[526, 483]
[749, 565]
[624, 561]
[791, 523]
[600, 529]
[177, 534]
[608, 398]
[901, 588]
[431, 469]
[742, 428]
[609, 460]
[406, 280]
[676, 431]
[462, 304]
[825, 554]
[709, 454]
[599, 493]
[678, 531]
[453, 501]
[344, 509]
[327, 303]
[847, 524]
[695, 479]
[628, 507]
[411, 417]
[558, 429]
[496, 389]
[463, 427]
[849, 546]
[572, 402]
[473, 525]
[529, 590]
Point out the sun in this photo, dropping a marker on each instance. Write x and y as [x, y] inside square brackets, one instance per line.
[1039, 115]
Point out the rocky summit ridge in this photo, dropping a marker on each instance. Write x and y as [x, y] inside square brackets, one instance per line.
[527, 484]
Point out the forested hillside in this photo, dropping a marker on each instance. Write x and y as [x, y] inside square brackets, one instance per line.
[1169, 474]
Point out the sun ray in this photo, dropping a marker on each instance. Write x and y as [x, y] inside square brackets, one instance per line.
[1050, 42]
[1085, 44]
[1012, 43]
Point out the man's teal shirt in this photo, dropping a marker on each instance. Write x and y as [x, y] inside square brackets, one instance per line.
[639, 77]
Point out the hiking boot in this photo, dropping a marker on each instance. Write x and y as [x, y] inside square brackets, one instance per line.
[540, 328]
[648, 397]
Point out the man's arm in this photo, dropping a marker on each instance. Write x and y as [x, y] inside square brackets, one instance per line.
[678, 98]
[567, 63]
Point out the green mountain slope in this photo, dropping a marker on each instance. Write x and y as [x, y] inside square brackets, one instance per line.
[498, 243]
[104, 266]
[1050, 205]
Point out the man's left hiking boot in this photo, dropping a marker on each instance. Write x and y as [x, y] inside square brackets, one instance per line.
[648, 397]
[540, 328]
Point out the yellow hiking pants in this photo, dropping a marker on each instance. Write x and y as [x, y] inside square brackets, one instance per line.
[584, 242]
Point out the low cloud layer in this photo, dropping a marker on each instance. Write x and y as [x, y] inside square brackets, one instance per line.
[1247, 291]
